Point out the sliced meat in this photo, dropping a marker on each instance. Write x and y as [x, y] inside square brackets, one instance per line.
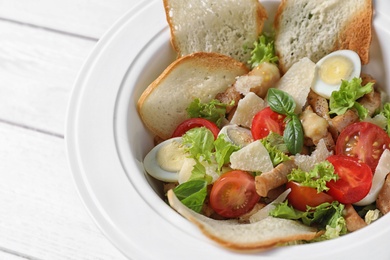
[230, 96]
[383, 200]
[319, 105]
[352, 219]
[342, 121]
[372, 102]
[270, 180]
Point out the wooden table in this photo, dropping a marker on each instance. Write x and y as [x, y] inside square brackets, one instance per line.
[43, 44]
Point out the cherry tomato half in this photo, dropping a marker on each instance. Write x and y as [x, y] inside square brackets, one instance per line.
[234, 194]
[302, 196]
[355, 179]
[364, 141]
[188, 124]
[266, 121]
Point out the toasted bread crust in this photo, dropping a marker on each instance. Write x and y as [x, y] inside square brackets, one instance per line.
[278, 14]
[162, 105]
[253, 237]
[171, 26]
[208, 42]
[261, 17]
[354, 32]
[357, 33]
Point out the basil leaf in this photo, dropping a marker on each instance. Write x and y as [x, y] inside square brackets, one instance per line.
[280, 101]
[192, 194]
[293, 135]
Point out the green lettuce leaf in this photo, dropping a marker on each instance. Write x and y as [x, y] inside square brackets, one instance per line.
[346, 97]
[223, 150]
[264, 51]
[199, 142]
[213, 111]
[276, 148]
[277, 140]
[335, 224]
[317, 178]
[386, 113]
[326, 216]
[199, 173]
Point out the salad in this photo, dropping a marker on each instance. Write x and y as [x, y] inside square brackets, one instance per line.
[321, 162]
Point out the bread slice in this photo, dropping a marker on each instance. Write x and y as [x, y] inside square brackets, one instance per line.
[314, 28]
[162, 106]
[223, 26]
[257, 236]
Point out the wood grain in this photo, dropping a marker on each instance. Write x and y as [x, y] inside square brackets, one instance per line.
[86, 18]
[41, 213]
[43, 44]
[37, 71]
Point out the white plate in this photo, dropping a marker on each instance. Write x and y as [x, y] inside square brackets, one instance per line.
[106, 143]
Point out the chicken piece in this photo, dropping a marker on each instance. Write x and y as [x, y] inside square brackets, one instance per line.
[372, 102]
[329, 141]
[231, 113]
[367, 78]
[168, 186]
[314, 126]
[230, 96]
[342, 121]
[319, 104]
[274, 178]
[258, 80]
[275, 193]
[383, 200]
[352, 219]
[321, 107]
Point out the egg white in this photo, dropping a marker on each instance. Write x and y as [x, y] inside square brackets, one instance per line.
[325, 89]
[153, 168]
[237, 135]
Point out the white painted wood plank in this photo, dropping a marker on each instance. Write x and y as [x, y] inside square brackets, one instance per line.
[10, 256]
[83, 17]
[37, 72]
[41, 214]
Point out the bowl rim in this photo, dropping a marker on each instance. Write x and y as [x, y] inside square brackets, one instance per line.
[98, 146]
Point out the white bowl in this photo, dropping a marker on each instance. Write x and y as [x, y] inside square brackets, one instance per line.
[106, 143]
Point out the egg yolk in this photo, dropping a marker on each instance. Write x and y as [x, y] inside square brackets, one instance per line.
[334, 69]
[170, 157]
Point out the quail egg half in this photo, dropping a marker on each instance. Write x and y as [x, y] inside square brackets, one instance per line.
[165, 160]
[169, 162]
[334, 67]
[237, 135]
